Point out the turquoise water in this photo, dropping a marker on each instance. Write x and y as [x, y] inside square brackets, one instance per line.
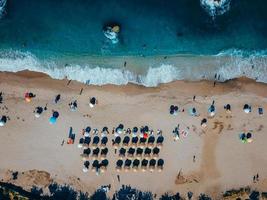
[50, 30]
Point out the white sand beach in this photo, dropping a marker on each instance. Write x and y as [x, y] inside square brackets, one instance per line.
[222, 161]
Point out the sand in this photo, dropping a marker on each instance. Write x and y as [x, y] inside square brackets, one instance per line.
[222, 161]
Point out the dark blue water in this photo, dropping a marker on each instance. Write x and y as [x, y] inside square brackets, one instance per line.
[65, 38]
[148, 27]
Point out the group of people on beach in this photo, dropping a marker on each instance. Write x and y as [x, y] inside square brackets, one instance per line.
[177, 132]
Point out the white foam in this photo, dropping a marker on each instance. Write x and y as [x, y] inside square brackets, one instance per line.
[162, 74]
[214, 7]
[232, 67]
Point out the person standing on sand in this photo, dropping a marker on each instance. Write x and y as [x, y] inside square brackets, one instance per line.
[194, 158]
[57, 98]
[119, 179]
[257, 177]
[1, 97]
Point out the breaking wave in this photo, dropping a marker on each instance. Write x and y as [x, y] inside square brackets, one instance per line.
[229, 64]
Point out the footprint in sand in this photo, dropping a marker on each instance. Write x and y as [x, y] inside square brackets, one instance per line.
[229, 127]
[260, 128]
[218, 125]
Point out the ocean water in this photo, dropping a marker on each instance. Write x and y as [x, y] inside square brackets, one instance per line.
[65, 38]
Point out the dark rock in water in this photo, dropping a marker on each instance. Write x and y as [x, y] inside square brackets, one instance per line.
[111, 32]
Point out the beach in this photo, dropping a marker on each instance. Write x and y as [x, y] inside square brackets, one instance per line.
[222, 161]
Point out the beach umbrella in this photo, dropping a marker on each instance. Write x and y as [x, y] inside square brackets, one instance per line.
[96, 140]
[151, 141]
[122, 152]
[142, 142]
[103, 165]
[81, 141]
[131, 152]
[152, 164]
[249, 137]
[135, 129]
[96, 152]
[119, 164]
[92, 102]
[88, 129]
[87, 141]
[55, 114]
[203, 122]
[86, 166]
[104, 152]
[139, 152]
[247, 108]
[118, 140]
[156, 151]
[134, 141]
[160, 141]
[126, 141]
[144, 164]
[86, 153]
[104, 141]
[127, 164]
[160, 164]
[147, 152]
[52, 120]
[136, 164]
[95, 165]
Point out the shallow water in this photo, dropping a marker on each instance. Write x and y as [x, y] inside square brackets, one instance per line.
[46, 35]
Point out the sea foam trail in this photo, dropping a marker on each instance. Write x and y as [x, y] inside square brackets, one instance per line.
[215, 8]
[2, 7]
[229, 67]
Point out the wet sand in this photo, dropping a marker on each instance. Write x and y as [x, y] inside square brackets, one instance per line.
[222, 161]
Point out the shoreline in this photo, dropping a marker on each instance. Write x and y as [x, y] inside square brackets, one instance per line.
[147, 71]
[36, 145]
